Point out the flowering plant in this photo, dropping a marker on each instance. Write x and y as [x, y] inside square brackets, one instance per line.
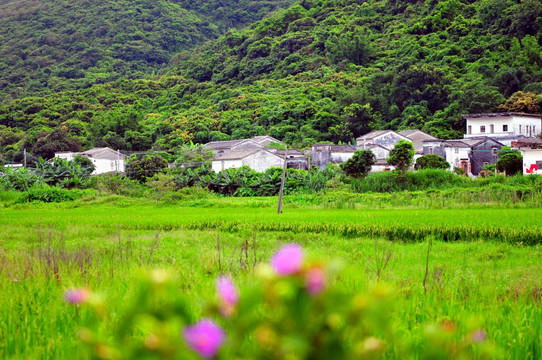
[293, 309]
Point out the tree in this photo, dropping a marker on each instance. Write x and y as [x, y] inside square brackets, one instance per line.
[360, 164]
[56, 141]
[510, 161]
[148, 166]
[402, 156]
[431, 161]
[523, 102]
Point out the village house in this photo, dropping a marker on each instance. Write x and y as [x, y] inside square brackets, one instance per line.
[455, 152]
[504, 127]
[258, 160]
[104, 159]
[380, 142]
[385, 138]
[255, 152]
[417, 137]
[470, 155]
[295, 159]
[322, 154]
[531, 150]
[379, 151]
[254, 143]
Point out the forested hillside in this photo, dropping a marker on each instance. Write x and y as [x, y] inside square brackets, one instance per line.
[48, 46]
[320, 71]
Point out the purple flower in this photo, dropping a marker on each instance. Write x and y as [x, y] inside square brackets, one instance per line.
[315, 280]
[77, 296]
[228, 295]
[205, 338]
[288, 259]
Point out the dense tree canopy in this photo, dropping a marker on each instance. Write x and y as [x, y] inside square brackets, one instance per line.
[318, 71]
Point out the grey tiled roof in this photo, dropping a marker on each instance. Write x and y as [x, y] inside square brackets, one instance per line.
[471, 116]
[236, 155]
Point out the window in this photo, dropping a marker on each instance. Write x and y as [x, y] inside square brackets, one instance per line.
[491, 128]
[505, 128]
[457, 150]
[520, 129]
[494, 151]
[482, 129]
[469, 131]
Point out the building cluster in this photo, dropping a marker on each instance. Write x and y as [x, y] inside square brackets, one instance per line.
[485, 135]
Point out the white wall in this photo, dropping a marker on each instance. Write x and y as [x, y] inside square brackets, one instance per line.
[455, 154]
[219, 165]
[530, 126]
[65, 155]
[380, 153]
[340, 157]
[380, 168]
[263, 160]
[532, 157]
[104, 166]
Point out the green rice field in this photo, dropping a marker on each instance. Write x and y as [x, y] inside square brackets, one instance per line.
[484, 266]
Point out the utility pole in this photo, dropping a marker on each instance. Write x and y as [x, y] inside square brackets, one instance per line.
[281, 192]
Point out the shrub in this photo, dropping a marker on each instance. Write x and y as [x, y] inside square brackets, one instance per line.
[431, 161]
[18, 179]
[119, 185]
[510, 161]
[48, 194]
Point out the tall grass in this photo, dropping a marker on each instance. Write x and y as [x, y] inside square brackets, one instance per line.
[437, 179]
[494, 285]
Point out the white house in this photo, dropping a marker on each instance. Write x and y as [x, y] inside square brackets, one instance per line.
[531, 150]
[254, 143]
[532, 161]
[259, 160]
[104, 159]
[457, 154]
[505, 127]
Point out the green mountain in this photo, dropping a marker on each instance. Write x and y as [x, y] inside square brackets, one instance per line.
[48, 46]
[322, 70]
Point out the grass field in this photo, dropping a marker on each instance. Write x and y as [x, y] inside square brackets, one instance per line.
[485, 264]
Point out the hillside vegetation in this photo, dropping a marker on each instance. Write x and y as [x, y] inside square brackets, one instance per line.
[48, 46]
[319, 71]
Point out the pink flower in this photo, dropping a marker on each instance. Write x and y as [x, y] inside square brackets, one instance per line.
[288, 259]
[205, 338]
[479, 336]
[315, 281]
[77, 296]
[229, 297]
